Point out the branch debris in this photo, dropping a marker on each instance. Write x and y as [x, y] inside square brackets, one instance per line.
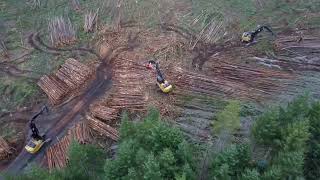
[61, 32]
[90, 21]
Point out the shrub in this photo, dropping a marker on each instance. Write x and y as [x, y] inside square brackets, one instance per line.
[150, 149]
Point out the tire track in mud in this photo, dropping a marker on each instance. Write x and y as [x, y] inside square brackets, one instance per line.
[37, 43]
[98, 87]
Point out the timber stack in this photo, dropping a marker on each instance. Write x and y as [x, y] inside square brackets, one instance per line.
[128, 93]
[102, 128]
[229, 82]
[71, 75]
[5, 150]
[129, 84]
[57, 155]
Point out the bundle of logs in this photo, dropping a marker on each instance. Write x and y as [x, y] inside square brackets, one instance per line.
[228, 82]
[90, 20]
[129, 94]
[5, 150]
[57, 155]
[129, 84]
[102, 128]
[291, 42]
[61, 31]
[69, 77]
[105, 114]
[256, 78]
[81, 133]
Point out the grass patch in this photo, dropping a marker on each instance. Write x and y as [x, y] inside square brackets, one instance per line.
[16, 93]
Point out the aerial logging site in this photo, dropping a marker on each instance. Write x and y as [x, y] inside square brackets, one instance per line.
[160, 89]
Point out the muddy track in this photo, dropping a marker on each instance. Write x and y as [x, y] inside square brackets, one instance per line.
[37, 43]
[98, 87]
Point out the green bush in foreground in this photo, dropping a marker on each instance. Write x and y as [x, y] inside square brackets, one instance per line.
[151, 150]
[291, 133]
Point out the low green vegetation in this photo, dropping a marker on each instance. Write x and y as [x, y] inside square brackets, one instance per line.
[289, 136]
[228, 119]
[152, 149]
[16, 93]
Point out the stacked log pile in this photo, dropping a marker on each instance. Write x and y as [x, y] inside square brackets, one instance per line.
[57, 155]
[129, 93]
[73, 73]
[81, 133]
[291, 42]
[54, 88]
[129, 85]
[102, 128]
[106, 114]
[5, 150]
[234, 81]
[70, 76]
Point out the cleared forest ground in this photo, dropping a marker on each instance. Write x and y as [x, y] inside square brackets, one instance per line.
[207, 67]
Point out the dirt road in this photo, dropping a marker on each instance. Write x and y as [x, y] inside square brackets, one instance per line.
[98, 87]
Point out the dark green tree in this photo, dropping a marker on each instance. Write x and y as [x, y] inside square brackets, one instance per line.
[231, 163]
[312, 158]
[151, 149]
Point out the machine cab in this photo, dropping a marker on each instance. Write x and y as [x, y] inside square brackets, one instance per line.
[34, 146]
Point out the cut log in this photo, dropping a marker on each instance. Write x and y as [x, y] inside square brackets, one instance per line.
[5, 150]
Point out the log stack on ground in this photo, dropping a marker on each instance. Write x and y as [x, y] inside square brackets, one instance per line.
[81, 133]
[55, 89]
[102, 128]
[129, 84]
[5, 150]
[70, 76]
[231, 81]
[57, 155]
[105, 114]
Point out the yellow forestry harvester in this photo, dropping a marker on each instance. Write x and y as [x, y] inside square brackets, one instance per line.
[249, 37]
[163, 84]
[36, 141]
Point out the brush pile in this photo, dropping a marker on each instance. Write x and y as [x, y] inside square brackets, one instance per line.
[69, 77]
[5, 150]
[3, 49]
[75, 5]
[90, 20]
[61, 31]
[57, 155]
